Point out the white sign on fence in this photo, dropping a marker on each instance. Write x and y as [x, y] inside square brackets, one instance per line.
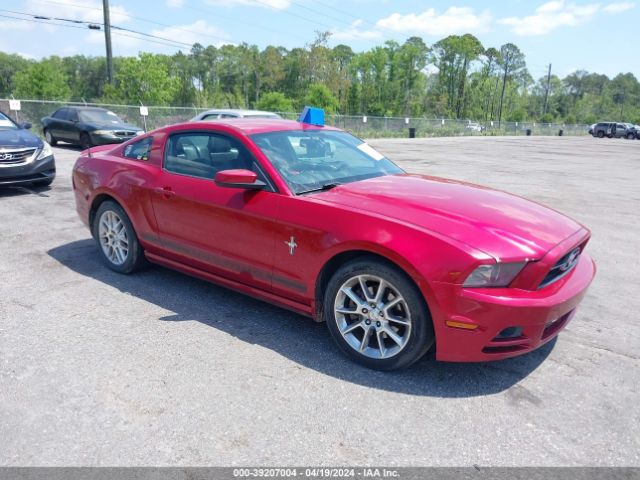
[364, 119]
[14, 105]
[144, 111]
[406, 120]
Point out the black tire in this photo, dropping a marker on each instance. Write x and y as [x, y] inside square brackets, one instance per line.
[600, 134]
[85, 141]
[419, 335]
[50, 138]
[630, 136]
[134, 258]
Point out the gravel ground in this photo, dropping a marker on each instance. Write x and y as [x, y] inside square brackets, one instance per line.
[159, 368]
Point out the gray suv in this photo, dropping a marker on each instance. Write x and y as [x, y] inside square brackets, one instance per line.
[614, 130]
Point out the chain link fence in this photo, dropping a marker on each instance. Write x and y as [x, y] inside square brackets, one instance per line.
[363, 126]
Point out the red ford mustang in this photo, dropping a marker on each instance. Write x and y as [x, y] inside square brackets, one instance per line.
[315, 220]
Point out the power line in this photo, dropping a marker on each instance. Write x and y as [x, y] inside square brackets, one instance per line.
[168, 42]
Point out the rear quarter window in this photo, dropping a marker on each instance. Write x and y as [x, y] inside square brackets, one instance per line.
[138, 150]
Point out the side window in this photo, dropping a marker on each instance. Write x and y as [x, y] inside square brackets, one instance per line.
[59, 114]
[211, 116]
[203, 154]
[228, 115]
[138, 150]
[72, 115]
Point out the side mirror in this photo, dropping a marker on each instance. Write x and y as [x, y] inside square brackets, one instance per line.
[239, 179]
[26, 125]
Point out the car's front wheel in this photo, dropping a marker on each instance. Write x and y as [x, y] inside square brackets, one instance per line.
[377, 316]
[119, 246]
[630, 136]
[50, 138]
[85, 141]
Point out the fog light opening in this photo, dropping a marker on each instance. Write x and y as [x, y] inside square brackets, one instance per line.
[510, 332]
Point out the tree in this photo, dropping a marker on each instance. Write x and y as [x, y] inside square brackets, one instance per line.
[275, 102]
[44, 80]
[320, 96]
[10, 65]
[512, 63]
[143, 79]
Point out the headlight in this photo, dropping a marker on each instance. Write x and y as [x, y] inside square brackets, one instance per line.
[494, 275]
[141, 132]
[103, 132]
[46, 151]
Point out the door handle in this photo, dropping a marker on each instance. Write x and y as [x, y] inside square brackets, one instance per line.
[166, 192]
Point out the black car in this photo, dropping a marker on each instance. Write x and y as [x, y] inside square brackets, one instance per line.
[24, 157]
[87, 126]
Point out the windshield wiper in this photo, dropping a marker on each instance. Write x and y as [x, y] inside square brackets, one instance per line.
[322, 188]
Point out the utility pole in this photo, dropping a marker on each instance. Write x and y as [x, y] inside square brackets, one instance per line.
[546, 92]
[107, 40]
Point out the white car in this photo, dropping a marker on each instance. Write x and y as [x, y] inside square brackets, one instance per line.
[474, 127]
[218, 113]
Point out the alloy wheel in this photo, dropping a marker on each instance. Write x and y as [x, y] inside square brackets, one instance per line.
[112, 234]
[372, 316]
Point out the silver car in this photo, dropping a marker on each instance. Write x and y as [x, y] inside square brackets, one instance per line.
[218, 113]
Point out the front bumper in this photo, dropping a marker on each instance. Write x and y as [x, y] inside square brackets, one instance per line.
[34, 171]
[103, 139]
[540, 314]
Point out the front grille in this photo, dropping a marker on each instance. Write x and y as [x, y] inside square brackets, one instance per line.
[562, 267]
[125, 133]
[15, 156]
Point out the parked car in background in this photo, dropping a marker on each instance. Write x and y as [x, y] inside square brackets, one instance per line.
[474, 127]
[216, 114]
[87, 127]
[314, 219]
[24, 157]
[614, 130]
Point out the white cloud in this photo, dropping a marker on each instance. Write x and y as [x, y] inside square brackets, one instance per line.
[431, 22]
[559, 13]
[354, 32]
[276, 4]
[88, 10]
[175, 3]
[16, 25]
[614, 8]
[197, 32]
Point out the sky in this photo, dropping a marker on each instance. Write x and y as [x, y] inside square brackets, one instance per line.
[595, 35]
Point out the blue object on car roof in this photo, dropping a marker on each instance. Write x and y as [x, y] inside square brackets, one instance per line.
[312, 116]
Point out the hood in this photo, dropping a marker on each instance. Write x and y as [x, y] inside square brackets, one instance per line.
[502, 225]
[112, 126]
[19, 138]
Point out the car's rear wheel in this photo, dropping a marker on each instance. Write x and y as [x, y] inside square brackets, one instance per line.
[50, 138]
[377, 316]
[600, 134]
[119, 246]
[85, 141]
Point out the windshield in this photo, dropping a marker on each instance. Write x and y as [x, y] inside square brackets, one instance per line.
[316, 160]
[6, 123]
[99, 116]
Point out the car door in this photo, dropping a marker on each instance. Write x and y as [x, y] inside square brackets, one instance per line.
[56, 125]
[72, 132]
[227, 231]
[621, 130]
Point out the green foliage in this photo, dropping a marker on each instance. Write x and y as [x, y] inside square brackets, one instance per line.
[320, 96]
[456, 77]
[143, 79]
[44, 80]
[275, 102]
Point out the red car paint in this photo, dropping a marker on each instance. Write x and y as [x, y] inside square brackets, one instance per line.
[438, 231]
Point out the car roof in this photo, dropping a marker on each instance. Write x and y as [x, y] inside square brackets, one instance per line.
[251, 126]
[80, 107]
[238, 111]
